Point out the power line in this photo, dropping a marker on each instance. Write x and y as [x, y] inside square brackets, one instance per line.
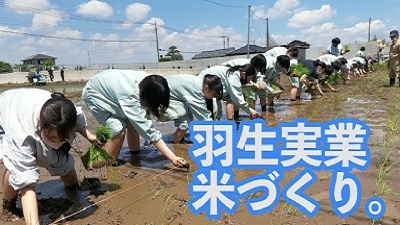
[122, 50]
[196, 34]
[69, 38]
[220, 4]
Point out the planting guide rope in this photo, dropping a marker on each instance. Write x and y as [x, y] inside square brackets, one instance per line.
[112, 196]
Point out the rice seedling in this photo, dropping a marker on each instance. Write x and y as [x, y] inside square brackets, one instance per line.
[393, 122]
[96, 157]
[288, 209]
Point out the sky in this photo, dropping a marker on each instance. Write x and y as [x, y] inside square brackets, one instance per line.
[120, 31]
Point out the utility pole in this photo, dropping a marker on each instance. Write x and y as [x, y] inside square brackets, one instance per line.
[223, 37]
[369, 30]
[88, 53]
[267, 38]
[158, 49]
[37, 51]
[248, 33]
[227, 40]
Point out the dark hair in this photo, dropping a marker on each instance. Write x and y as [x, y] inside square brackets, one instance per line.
[329, 70]
[154, 94]
[336, 40]
[284, 61]
[362, 48]
[320, 63]
[293, 51]
[248, 69]
[343, 60]
[259, 62]
[214, 83]
[58, 113]
[335, 66]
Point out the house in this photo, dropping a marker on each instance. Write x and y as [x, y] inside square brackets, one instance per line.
[253, 49]
[38, 60]
[213, 53]
[301, 47]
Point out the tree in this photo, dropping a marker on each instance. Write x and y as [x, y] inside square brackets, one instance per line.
[48, 63]
[5, 67]
[174, 53]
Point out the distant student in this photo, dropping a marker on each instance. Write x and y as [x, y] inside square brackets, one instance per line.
[62, 74]
[188, 94]
[232, 79]
[51, 75]
[125, 101]
[36, 130]
[394, 58]
[315, 68]
[267, 68]
[336, 48]
[292, 52]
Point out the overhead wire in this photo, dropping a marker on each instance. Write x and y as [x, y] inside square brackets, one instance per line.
[225, 5]
[69, 38]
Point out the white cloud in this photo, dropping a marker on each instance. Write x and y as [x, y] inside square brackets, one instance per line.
[281, 8]
[325, 29]
[137, 11]
[27, 6]
[308, 18]
[95, 9]
[362, 28]
[352, 18]
[46, 19]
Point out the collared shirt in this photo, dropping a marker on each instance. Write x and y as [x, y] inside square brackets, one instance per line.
[336, 51]
[21, 147]
[231, 84]
[117, 92]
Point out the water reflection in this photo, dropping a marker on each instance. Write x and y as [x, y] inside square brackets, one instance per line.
[319, 110]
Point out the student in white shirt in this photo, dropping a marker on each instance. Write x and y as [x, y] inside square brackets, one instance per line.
[36, 130]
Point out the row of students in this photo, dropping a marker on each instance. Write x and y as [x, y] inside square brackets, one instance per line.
[37, 128]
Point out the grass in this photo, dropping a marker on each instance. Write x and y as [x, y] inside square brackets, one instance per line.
[288, 210]
[393, 122]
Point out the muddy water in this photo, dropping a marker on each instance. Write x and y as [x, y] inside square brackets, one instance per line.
[284, 111]
[52, 194]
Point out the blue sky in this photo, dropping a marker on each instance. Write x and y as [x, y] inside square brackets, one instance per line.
[120, 31]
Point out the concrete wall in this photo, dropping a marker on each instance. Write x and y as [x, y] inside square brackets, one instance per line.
[185, 64]
[176, 67]
[200, 64]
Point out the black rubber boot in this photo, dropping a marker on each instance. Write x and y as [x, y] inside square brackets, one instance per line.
[236, 115]
[392, 81]
[264, 108]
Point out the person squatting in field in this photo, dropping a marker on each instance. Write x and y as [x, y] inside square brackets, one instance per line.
[188, 94]
[232, 79]
[36, 130]
[125, 101]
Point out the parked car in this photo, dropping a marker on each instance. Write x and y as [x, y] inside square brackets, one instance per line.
[36, 78]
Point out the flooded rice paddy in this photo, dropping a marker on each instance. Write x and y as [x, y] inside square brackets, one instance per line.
[136, 193]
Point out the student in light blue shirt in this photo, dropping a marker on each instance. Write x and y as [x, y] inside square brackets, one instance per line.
[232, 79]
[267, 72]
[335, 48]
[126, 100]
[188, 94]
